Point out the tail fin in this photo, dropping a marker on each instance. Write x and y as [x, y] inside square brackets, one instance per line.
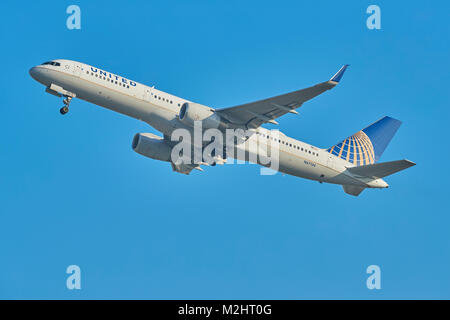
[367, 146]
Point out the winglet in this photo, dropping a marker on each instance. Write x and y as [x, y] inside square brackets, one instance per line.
[337, 77]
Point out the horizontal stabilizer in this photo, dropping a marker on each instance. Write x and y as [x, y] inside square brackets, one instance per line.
[380, 170]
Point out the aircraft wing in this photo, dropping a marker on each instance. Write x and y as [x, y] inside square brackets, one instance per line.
[254, 114]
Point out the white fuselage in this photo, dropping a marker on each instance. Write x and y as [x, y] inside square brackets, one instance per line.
[160, 110]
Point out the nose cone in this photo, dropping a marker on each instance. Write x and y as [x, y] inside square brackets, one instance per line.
[33, 72]
[36, 73]
[40, 74]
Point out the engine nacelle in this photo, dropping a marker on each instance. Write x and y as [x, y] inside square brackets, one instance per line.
[191, 112]
[152, 146]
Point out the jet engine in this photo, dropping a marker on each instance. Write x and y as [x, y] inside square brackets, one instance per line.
[152, 146]
[191, 112]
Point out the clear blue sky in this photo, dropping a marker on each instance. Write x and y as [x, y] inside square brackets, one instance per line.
[73, 192]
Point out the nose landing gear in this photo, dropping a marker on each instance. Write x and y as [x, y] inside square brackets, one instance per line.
[64, 110]
[61, 92]
[66, 102]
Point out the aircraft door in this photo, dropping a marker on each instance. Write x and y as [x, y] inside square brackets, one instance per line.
[330, 162]
[76, 69]
[147, 94]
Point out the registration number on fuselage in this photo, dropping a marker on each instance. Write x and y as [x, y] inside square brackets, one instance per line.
[312, 164]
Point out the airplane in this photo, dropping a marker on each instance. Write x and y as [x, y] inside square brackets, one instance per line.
[351, 163]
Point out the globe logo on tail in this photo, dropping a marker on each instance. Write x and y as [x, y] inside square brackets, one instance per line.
[357, 149]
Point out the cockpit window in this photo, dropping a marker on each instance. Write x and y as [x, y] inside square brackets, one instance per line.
[52, 63]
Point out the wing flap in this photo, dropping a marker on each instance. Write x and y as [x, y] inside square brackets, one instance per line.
[353, 190]
[185, 168]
